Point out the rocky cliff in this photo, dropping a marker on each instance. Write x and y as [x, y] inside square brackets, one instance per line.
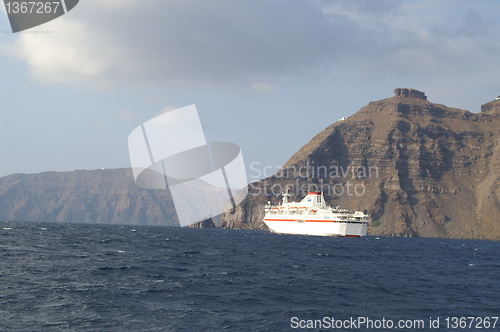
[100, 196]
[492, 107]
[419, 169]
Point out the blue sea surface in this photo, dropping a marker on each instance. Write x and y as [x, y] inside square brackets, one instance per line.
[90, 277]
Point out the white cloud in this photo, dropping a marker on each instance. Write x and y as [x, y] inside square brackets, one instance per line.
[259, 45]
[182, 44]
[66, 56]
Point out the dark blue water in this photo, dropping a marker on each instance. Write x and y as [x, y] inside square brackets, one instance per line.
[78, 277]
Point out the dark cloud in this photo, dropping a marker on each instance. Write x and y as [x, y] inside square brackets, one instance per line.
[261, 44]
[211, 43]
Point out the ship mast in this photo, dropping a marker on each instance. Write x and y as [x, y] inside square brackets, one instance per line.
[285, 197]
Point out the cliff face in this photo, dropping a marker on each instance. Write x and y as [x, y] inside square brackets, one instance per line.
[493, 107]
[419, 169]
[98, 196]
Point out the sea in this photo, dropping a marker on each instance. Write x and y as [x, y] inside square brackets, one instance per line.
[93, 277]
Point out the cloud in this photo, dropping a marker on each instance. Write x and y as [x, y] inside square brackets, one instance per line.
[258, 45]
[443, 42]
[182, 44]
[67, 56]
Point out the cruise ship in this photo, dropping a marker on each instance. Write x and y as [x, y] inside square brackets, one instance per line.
[312, 216]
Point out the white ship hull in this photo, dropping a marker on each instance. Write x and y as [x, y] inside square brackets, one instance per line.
[314, 226]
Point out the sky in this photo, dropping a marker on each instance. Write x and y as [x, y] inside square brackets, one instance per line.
[267, 75]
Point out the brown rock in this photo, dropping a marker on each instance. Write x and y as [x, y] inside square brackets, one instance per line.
[493, 107]
[107, 196]
[410, 93]
[421, 169]
[207, 223]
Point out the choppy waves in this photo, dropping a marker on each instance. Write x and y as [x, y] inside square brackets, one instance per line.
[80, 277]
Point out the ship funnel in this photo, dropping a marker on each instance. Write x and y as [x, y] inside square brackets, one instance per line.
[314, 199]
